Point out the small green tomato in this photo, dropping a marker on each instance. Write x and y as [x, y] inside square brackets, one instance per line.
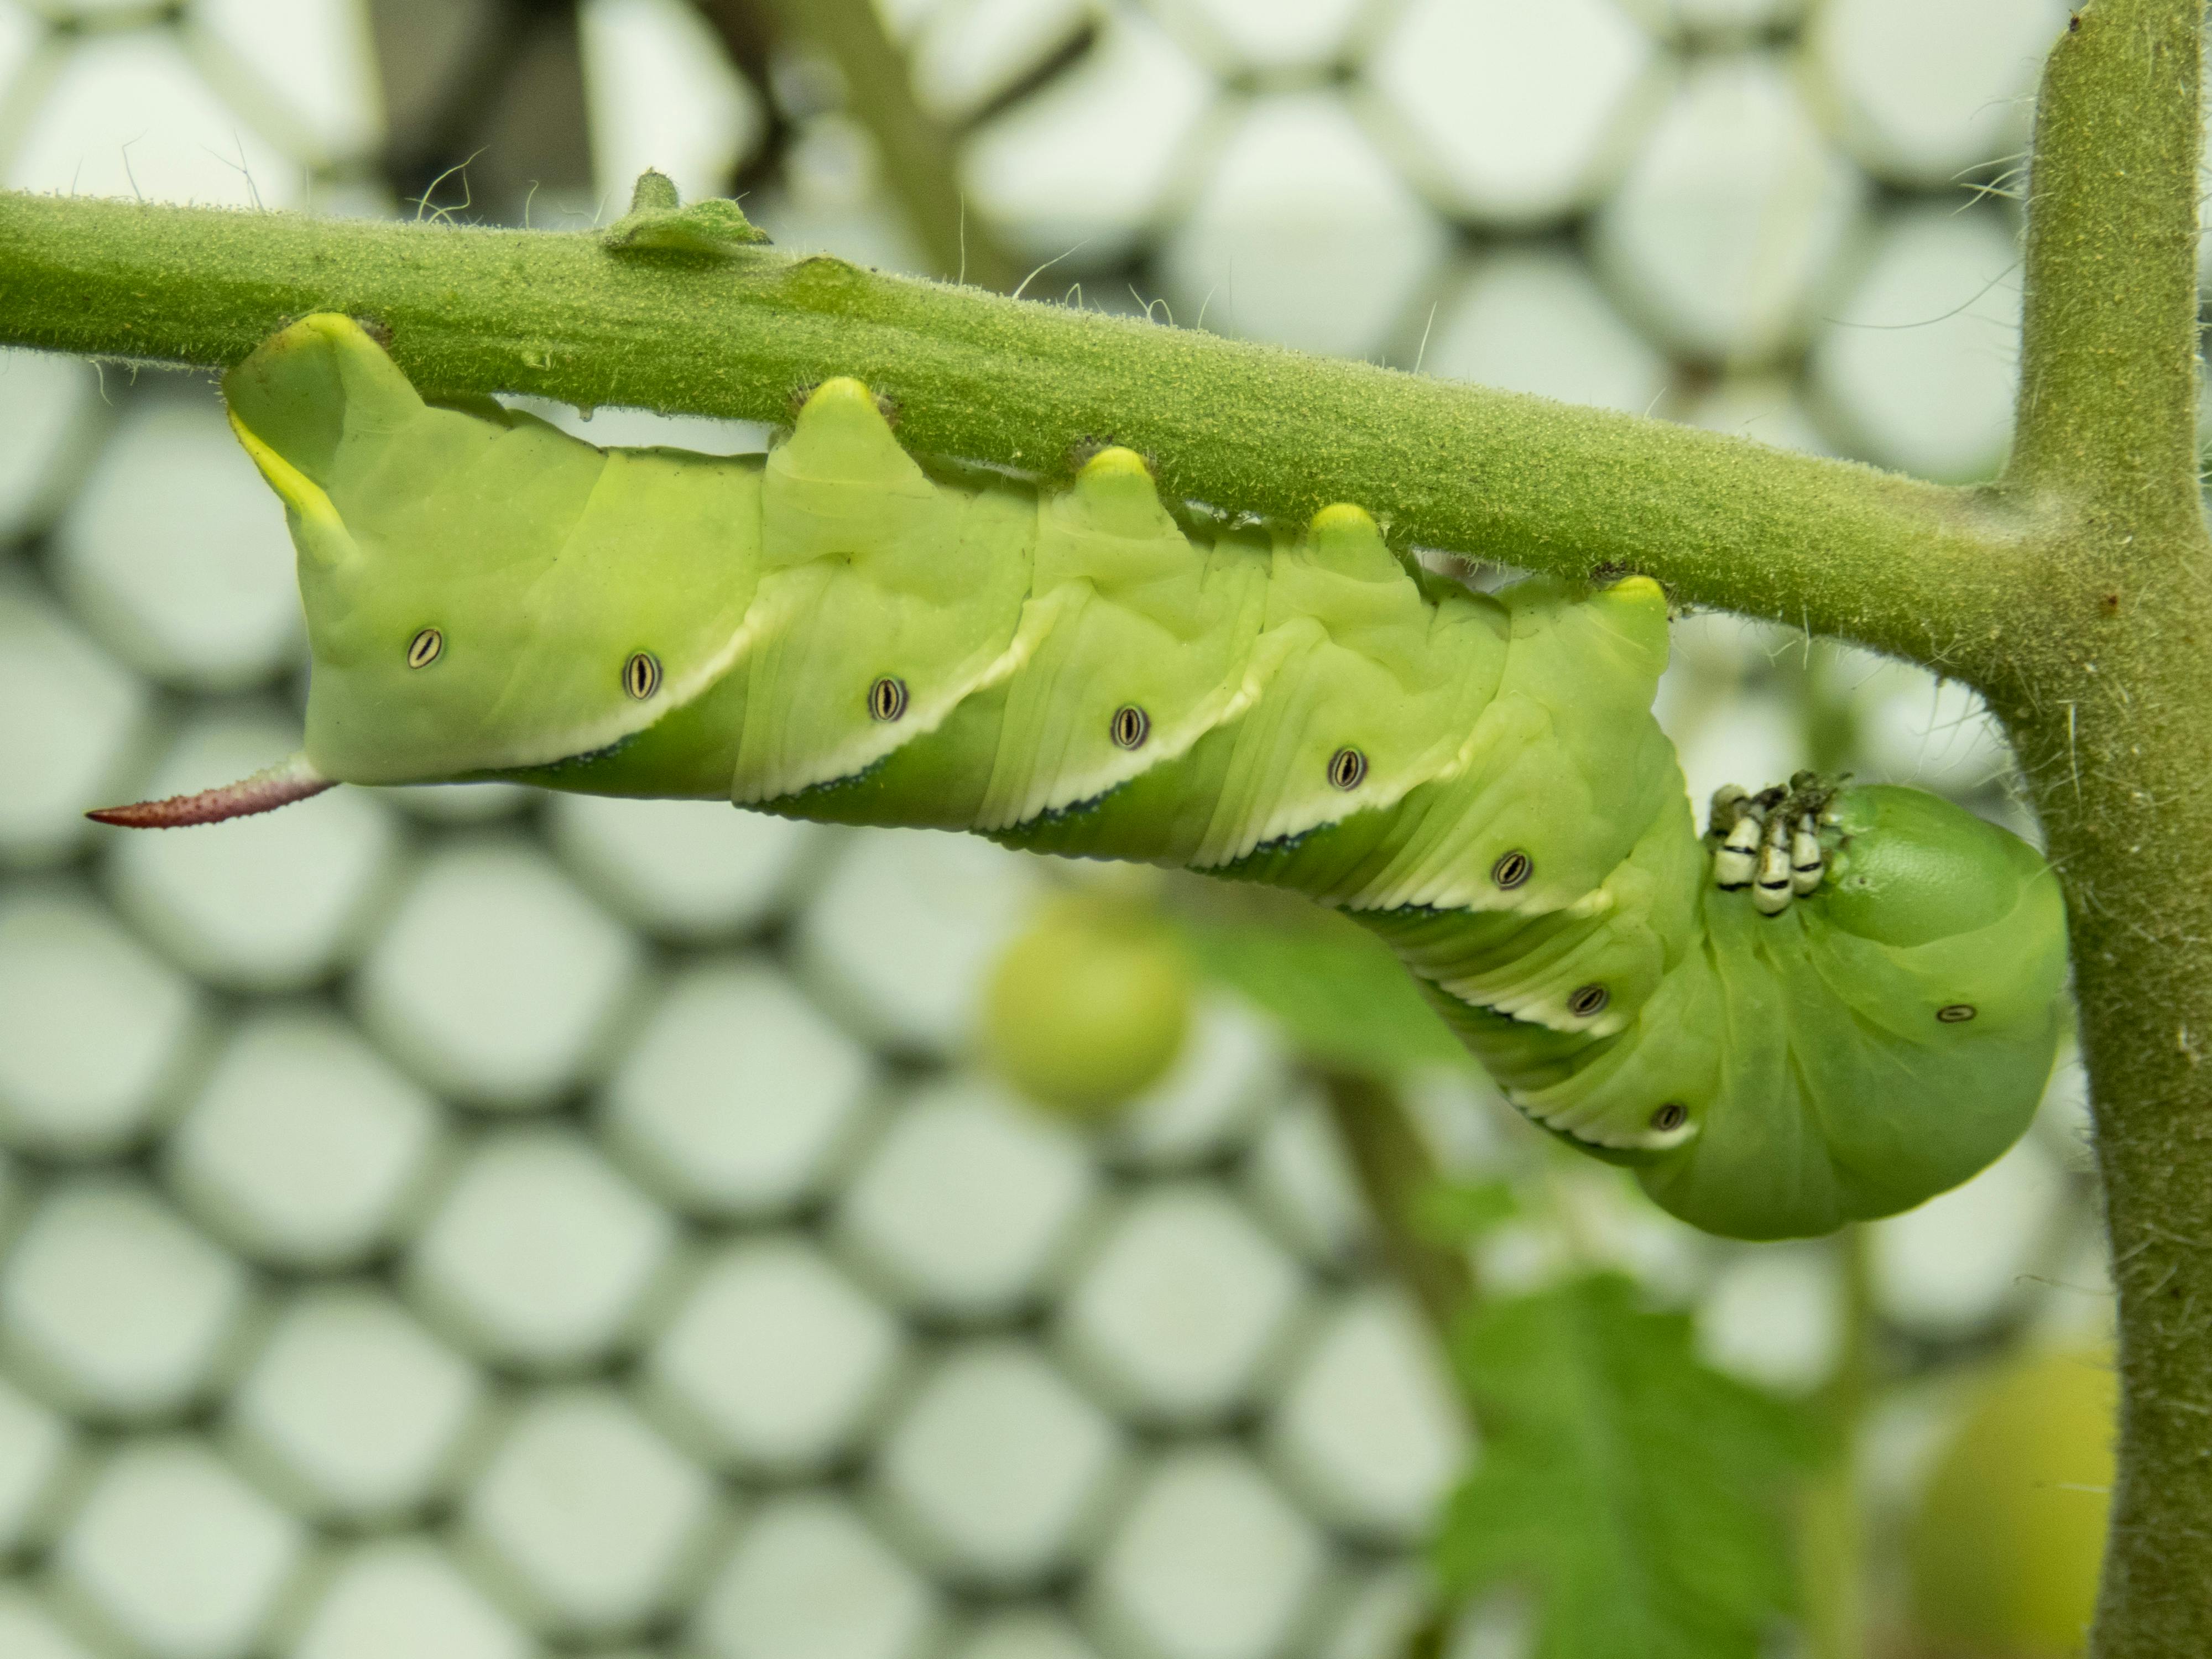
[1088, 1007]
[2004, 1551]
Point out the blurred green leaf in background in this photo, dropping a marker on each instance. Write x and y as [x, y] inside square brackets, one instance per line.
[1642, 1498]
[1340, 996]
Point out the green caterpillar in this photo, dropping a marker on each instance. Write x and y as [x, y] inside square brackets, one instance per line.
[1836, 1004]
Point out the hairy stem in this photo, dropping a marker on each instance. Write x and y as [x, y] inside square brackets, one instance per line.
[1837, 548]
[2108, 349]
[2109, 700]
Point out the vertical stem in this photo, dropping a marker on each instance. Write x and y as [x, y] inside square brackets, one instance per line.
[2111, 713]
[2108, 337]
[1395, 1166]
[1834, 1537]
[919, 153]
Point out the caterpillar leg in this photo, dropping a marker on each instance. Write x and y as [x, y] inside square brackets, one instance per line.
[1769, 844]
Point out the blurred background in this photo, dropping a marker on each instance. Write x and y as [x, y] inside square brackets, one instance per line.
[467, 1223]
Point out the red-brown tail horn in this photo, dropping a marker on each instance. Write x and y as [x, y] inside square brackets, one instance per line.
[264, 792]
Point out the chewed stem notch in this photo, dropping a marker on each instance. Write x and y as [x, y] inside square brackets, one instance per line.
[264, 792]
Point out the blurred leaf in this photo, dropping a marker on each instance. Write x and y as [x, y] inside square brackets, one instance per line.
[1446, 1212]
[1344, 998]
[1640, 1497]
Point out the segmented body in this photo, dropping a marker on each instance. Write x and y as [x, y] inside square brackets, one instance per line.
[836, 632]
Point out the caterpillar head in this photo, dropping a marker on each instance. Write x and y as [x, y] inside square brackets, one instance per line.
[1917, 987]
[1911, 868]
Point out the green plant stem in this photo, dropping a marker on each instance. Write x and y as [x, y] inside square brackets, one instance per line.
[1833, 1540]
[1838, 547]
[2109, 702]
[2107, 407]
[1394, 1167]
[917, 152]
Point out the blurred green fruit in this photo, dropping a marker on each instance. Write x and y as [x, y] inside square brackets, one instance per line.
[1089, 1006]
[2005, 1549]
